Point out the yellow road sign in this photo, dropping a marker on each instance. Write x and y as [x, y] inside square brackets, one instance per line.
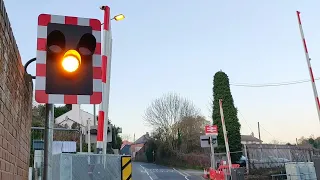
[126, 168]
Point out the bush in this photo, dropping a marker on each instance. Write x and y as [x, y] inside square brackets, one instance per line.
[191, 160]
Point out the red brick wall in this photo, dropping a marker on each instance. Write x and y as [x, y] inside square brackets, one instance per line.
[15, 106]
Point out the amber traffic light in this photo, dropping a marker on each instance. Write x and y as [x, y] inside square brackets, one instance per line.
[71, 60]
[70, 50]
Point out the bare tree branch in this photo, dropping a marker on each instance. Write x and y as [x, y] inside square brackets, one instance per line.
[169, 109]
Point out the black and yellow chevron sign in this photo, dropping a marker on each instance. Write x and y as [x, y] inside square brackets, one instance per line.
[126, 168]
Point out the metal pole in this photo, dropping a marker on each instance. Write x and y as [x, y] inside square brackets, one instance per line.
[89, 134]
[80, 133]
[48, 142]
[314, 88]
[260, 141]
[247, 160]
[94, 115]
[107, 90]
[56, 129]
[213, 161]
[259, 132]
[225, 136]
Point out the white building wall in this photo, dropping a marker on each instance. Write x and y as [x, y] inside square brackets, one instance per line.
[76, 115]
[81, 117]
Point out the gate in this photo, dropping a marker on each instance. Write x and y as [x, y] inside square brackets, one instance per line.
[316, 161]
[90, 167]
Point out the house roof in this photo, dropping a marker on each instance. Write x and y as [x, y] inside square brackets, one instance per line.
[125, 142]
[68, 119]
[143, 139]
[249, 138]
[76, 114]
[125, 149]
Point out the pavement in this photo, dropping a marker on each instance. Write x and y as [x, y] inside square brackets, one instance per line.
[149, 171]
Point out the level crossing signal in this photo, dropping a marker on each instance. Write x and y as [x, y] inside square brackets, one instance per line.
[68, 62]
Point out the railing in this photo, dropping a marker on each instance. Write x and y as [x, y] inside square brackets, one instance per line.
[292, 176]
[61, 129]
[60, 134]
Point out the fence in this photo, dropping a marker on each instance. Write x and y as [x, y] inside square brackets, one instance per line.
[84, 167]
[268, 156]
[60, 134]
[291, 177]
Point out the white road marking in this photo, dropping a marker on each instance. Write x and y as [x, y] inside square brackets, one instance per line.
[146, 172]
[182, 172]
[184, 175]
[160, 170]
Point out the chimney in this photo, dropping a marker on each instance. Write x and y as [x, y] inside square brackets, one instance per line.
[252, 134]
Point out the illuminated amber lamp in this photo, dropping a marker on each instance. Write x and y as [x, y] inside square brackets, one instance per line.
[71, 61]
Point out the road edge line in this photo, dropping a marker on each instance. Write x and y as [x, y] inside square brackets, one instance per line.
[184, 175]
[146, 171]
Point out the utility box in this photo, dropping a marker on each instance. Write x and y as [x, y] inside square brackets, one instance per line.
[237, 173]
[38, 164]
[316, 160]
[38, 145]
[300, 170]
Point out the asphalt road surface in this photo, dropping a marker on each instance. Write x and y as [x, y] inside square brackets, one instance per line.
[148, 171]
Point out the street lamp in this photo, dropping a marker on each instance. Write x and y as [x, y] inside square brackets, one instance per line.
[118, 17]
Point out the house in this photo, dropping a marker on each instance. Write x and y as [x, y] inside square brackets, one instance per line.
[125, 142]
[139, 143]
[83, 118]
[76, 114]
[250, 139]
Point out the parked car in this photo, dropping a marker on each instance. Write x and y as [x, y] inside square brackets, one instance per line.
[242, 161]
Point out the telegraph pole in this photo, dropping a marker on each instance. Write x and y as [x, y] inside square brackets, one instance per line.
[259, 132]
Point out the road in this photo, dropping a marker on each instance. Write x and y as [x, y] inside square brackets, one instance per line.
[148, 171]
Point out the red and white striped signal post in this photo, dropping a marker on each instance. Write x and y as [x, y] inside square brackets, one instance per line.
[102, 139]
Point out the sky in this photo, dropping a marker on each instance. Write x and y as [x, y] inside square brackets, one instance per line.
[177, 46]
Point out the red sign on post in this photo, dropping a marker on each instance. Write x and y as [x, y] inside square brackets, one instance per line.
[211, 129]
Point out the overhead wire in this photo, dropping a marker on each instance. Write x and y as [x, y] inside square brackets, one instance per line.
[245, 121]
[273, 84]
[269, 133]
[269, 85]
